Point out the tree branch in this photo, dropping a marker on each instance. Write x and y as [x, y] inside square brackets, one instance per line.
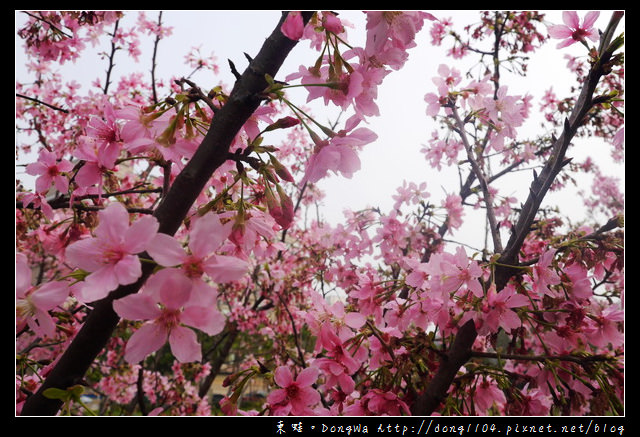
[48, 105]
[111, 56]
[212, 152]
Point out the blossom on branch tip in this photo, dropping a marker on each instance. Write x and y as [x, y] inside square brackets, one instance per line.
[572, 31]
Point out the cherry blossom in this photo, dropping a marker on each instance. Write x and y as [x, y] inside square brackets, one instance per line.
[50, 171]
[165, 305]
[543, 275]
[572, 31]
[499, 310]
[34, 303]
[295, 396]
[110, 256]
[293, 26]
[207, 235]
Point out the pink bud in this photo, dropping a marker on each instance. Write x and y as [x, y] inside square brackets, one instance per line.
[293, 26]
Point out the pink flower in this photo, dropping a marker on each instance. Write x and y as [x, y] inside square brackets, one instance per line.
[458, 271]
[33, 303]
[572, 32]
[339, 153]
[544, 275]
[533, 402]
[49, 171]
[486, 394]
[453, 205]
[165, 304]
[506, 112]
[378, 403]
[604, 329]
[293, 26]
[391, 33]
[99, 148]
[207, 235]
[580, 286]
[294, 396]
[498, 310]
[110, 256]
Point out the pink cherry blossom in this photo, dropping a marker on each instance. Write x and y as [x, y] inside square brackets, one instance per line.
[605, 327]
[533, 402]
[486, 394]
[505, 111]
[499, 310]
[295, 396]
[50, 171]
[544, 275]
[378, 403]
[206, 236]
[572, 31]
[165, 304]
[110, 256]
[458, 271]
[580, 287]
[33, 303]
[293, 26]
[339, 153]
[453, 205]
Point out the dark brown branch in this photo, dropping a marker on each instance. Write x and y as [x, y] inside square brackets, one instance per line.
[229, 336]
[153, 60]
[48, 105]
[578, 359]
[212, 152]
[111, 56]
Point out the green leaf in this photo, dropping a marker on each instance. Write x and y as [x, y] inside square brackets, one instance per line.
[56, 393]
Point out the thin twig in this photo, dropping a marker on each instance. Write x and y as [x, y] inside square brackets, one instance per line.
[48, 105]
[153, 60]
[114, 48]
[488, 197]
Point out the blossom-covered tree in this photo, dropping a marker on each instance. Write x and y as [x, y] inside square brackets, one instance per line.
[172, 226]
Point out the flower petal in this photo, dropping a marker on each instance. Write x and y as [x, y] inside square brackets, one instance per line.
[206, 319]
[146, 340]
[139, 306]
[114, 222]
[166, 250]
[184, 344]
[307, 377]
[282, 376]
[140, 233]
[128, 269]
[50, 295]
[85, 254]
[590, 18]
[207, 235]
[223, 268]
[571, 19]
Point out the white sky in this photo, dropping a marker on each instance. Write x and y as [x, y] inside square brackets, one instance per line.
[402, 127]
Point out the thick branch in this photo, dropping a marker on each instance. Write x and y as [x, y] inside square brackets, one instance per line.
[212, 152]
